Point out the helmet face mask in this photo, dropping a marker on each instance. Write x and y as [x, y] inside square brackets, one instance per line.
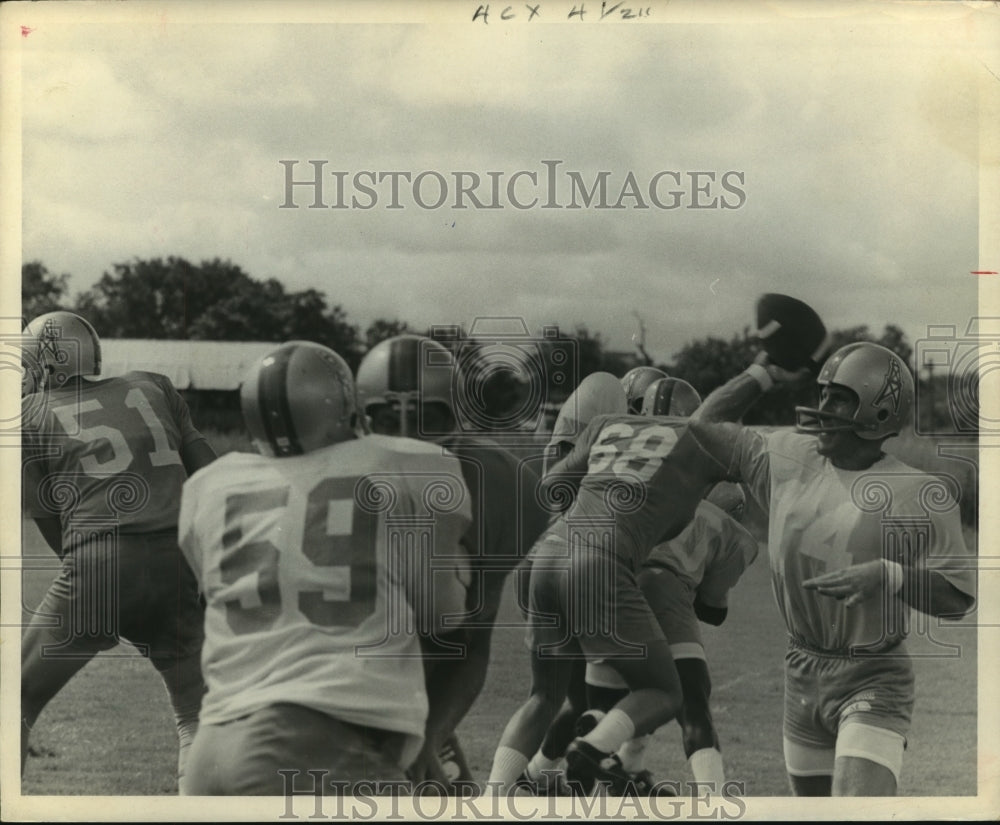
[882, 390]
[820, 420]
[404, 415]
[60, 345]
[298, 398]
[405, 387]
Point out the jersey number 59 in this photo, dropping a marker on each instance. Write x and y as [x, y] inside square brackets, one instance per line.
[250, 570]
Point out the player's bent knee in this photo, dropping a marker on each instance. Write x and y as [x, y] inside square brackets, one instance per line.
[602, 675]
[879, 745]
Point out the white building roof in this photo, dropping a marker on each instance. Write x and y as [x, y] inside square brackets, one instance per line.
[190, 365]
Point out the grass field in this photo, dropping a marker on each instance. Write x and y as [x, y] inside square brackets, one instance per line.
[110, 731]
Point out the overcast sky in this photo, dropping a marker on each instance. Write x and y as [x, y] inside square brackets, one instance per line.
[851, 144]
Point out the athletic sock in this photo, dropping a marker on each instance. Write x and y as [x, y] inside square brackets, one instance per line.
[706, 765]
[633, 752]
[539, 763]
[508, 765]
[613, 731]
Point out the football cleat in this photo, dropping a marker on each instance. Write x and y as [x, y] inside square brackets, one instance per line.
[587, 721]
[550, 783]
[642, 784]
[586, 766]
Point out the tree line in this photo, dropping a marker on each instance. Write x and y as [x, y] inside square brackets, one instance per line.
[173, 298]
[216, 300]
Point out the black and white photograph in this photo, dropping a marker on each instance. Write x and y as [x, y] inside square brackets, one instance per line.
[574, 410]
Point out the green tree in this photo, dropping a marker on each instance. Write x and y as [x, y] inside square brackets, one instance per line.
[708, 363]
[215, 300]
[892, 337]
[589, 349]
[159, 298]
[41, 290]
[381, 329]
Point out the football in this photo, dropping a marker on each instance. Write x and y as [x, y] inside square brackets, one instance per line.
[791, 332]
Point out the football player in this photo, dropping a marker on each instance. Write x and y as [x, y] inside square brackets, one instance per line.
[104, 461]
[856, 537]
[687, 580]
[410, 385]
[599, 393]
[627, 499]
[321, 558]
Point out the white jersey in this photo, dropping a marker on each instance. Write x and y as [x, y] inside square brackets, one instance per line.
[600, 393]
[301, 563]
[823, 518]
[709, 555]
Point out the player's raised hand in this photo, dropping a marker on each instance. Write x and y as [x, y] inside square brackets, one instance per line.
[853, 584]
[781, 375]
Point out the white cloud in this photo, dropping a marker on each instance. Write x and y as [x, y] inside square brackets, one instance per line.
[165, 139]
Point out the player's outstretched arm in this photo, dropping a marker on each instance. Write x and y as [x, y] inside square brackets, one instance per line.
[707, 452]
[923, 589]
[941, 599]
[732, 400]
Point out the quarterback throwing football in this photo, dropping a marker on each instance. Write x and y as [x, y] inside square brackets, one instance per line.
[855, 537]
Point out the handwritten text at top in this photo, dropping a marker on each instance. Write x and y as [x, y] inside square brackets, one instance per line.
[576, 11]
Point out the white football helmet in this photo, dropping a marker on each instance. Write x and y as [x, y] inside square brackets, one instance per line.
[298, 398]
[599, 393]
[59, 345]
[883, 384]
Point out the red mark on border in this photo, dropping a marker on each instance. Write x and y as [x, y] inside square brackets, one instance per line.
[25, 31]
[984, 272]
